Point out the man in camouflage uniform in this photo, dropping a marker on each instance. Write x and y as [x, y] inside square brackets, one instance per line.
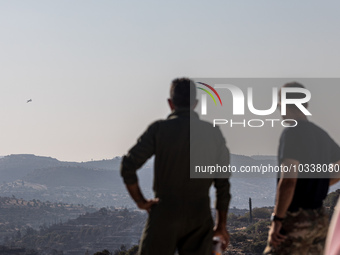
[299, 223]
[305, 233]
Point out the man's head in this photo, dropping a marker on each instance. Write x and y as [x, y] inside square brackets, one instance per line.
[293, 112]
[182, 94]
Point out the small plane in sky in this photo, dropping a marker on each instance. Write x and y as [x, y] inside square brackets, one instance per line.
[29, 100]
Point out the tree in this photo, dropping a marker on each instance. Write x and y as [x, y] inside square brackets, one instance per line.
[104, 252]
[261, 213]
[133, 250]
[262, 226]
[18, 235]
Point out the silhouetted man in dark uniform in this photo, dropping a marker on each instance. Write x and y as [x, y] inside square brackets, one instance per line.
[179, 217]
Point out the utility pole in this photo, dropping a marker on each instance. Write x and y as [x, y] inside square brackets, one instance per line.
[250, 212]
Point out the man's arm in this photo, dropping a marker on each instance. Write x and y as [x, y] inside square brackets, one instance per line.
[335, 178]
[222, 204]
[138, 197]
[136, 157]
[286, 188]
[220, 228]
[223, 196]
[284, 197]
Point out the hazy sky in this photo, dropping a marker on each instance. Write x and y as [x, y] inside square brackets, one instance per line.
[98, 72]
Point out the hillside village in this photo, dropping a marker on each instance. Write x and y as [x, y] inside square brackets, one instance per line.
[53, 207]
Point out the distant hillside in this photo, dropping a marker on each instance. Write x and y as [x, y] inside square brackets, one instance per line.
[99, 183]
[264, 157]
[241, 160]
[96, 183]
[74, 177]
[23, 166]
[17, 214]
[105, 164]
[109, 229]
[15, 167]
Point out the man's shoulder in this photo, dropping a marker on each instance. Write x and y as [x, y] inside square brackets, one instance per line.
[303, 129]
[290, 132]
[164, 123]
[156, 122]
[205, 124]
[206, 129]
[318, 129]
[309, 129]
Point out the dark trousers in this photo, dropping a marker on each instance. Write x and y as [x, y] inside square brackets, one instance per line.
[170, 228]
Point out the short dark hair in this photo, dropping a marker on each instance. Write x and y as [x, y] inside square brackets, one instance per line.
[295, 84]
[183, 92]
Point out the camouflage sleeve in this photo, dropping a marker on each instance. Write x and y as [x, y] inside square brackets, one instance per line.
[138, 155]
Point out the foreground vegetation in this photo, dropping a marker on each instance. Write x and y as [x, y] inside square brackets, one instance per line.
[112, 231]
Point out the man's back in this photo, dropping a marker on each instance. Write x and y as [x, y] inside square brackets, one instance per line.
[171, 141]
[172, 160]
[179, 215]
[315, 150]
[299, 222]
